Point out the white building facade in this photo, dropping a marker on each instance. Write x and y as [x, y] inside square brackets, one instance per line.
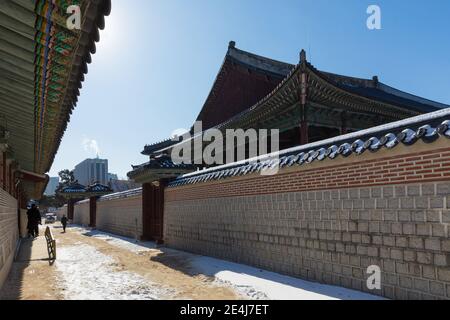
[92, 170]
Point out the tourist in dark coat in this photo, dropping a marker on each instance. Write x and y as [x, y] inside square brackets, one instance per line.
[64, 223]
[34, 220]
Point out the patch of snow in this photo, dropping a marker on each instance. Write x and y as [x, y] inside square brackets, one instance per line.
[247, 281]
[255, 283]
[87, 274]
[118, 241]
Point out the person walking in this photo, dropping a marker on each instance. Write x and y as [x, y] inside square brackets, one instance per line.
[64, 223]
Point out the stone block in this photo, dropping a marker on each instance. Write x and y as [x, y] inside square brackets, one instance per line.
[421, 202]
[396, 228]
[409, 229]
[406, 282]
[429, 272]
[423, 229]
[404, 216]
[443, 188]
[428, 189]
[397, 254]
[388, 192]
[446, 216]
[416, 243]
[441, 260]
[446, 245]
[436, 202]
[433, 216]
[433, 244]
[421, 285]
[424, 257]
[409, 255]
[444, 274]
[437, 288]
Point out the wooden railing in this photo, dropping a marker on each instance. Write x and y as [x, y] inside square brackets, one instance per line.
[51, 244]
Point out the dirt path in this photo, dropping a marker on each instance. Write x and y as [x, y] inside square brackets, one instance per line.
[164, 271]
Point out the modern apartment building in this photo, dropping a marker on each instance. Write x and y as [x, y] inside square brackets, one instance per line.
[92, 170]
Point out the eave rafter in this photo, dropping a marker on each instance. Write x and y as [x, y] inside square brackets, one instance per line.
[42, 64]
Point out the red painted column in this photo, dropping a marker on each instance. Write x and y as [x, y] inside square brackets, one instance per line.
[304, 132]
[9, 179]
[162, 187]
[304, 139]
[70, 209]
[92, 212]
[147, 191]
[4, 171]
[343, 123]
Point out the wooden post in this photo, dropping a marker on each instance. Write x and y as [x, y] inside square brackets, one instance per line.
[4, 170]
[162, 186]
[304, 132]
[153, 211]
[2, 165]
[343, 123]
[147, 189]
[70, 209]
[9, 189]
[303, 109]
[93, 212]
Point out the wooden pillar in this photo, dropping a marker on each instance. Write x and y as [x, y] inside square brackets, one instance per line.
[92, 212]
[160, 221]
[304, 134]
[70, 209]
[153, 211]
[4, 171]
[147, 191]
[12, 184]
[304, 139]
[2, 165]
[343, 123]
[8, 176]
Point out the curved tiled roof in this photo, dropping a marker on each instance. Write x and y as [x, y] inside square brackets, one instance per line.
[369, 89]
[121, 195]
[73, 188]
[428, 128]
[98, 187]
[159, 162]
[149, 149]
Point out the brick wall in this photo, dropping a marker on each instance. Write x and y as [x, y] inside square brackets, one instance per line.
[81, 213]
[61, 212]
[328, 221]
[9, 233]
[121, 216]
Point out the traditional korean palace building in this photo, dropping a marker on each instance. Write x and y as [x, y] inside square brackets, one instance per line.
[306, 104]
[43, 64]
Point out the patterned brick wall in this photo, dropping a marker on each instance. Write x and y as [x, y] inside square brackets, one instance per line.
[121, 216]
[81, 213]
[9, 232]
[329, 221]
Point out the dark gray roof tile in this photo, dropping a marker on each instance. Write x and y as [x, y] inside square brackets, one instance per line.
[427, 128]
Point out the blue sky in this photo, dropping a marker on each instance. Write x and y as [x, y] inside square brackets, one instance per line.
[157, 59]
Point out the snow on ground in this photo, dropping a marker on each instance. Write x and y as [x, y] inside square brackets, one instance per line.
[87, 274]
[116, 240]
[250, 282]
[255, 283]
